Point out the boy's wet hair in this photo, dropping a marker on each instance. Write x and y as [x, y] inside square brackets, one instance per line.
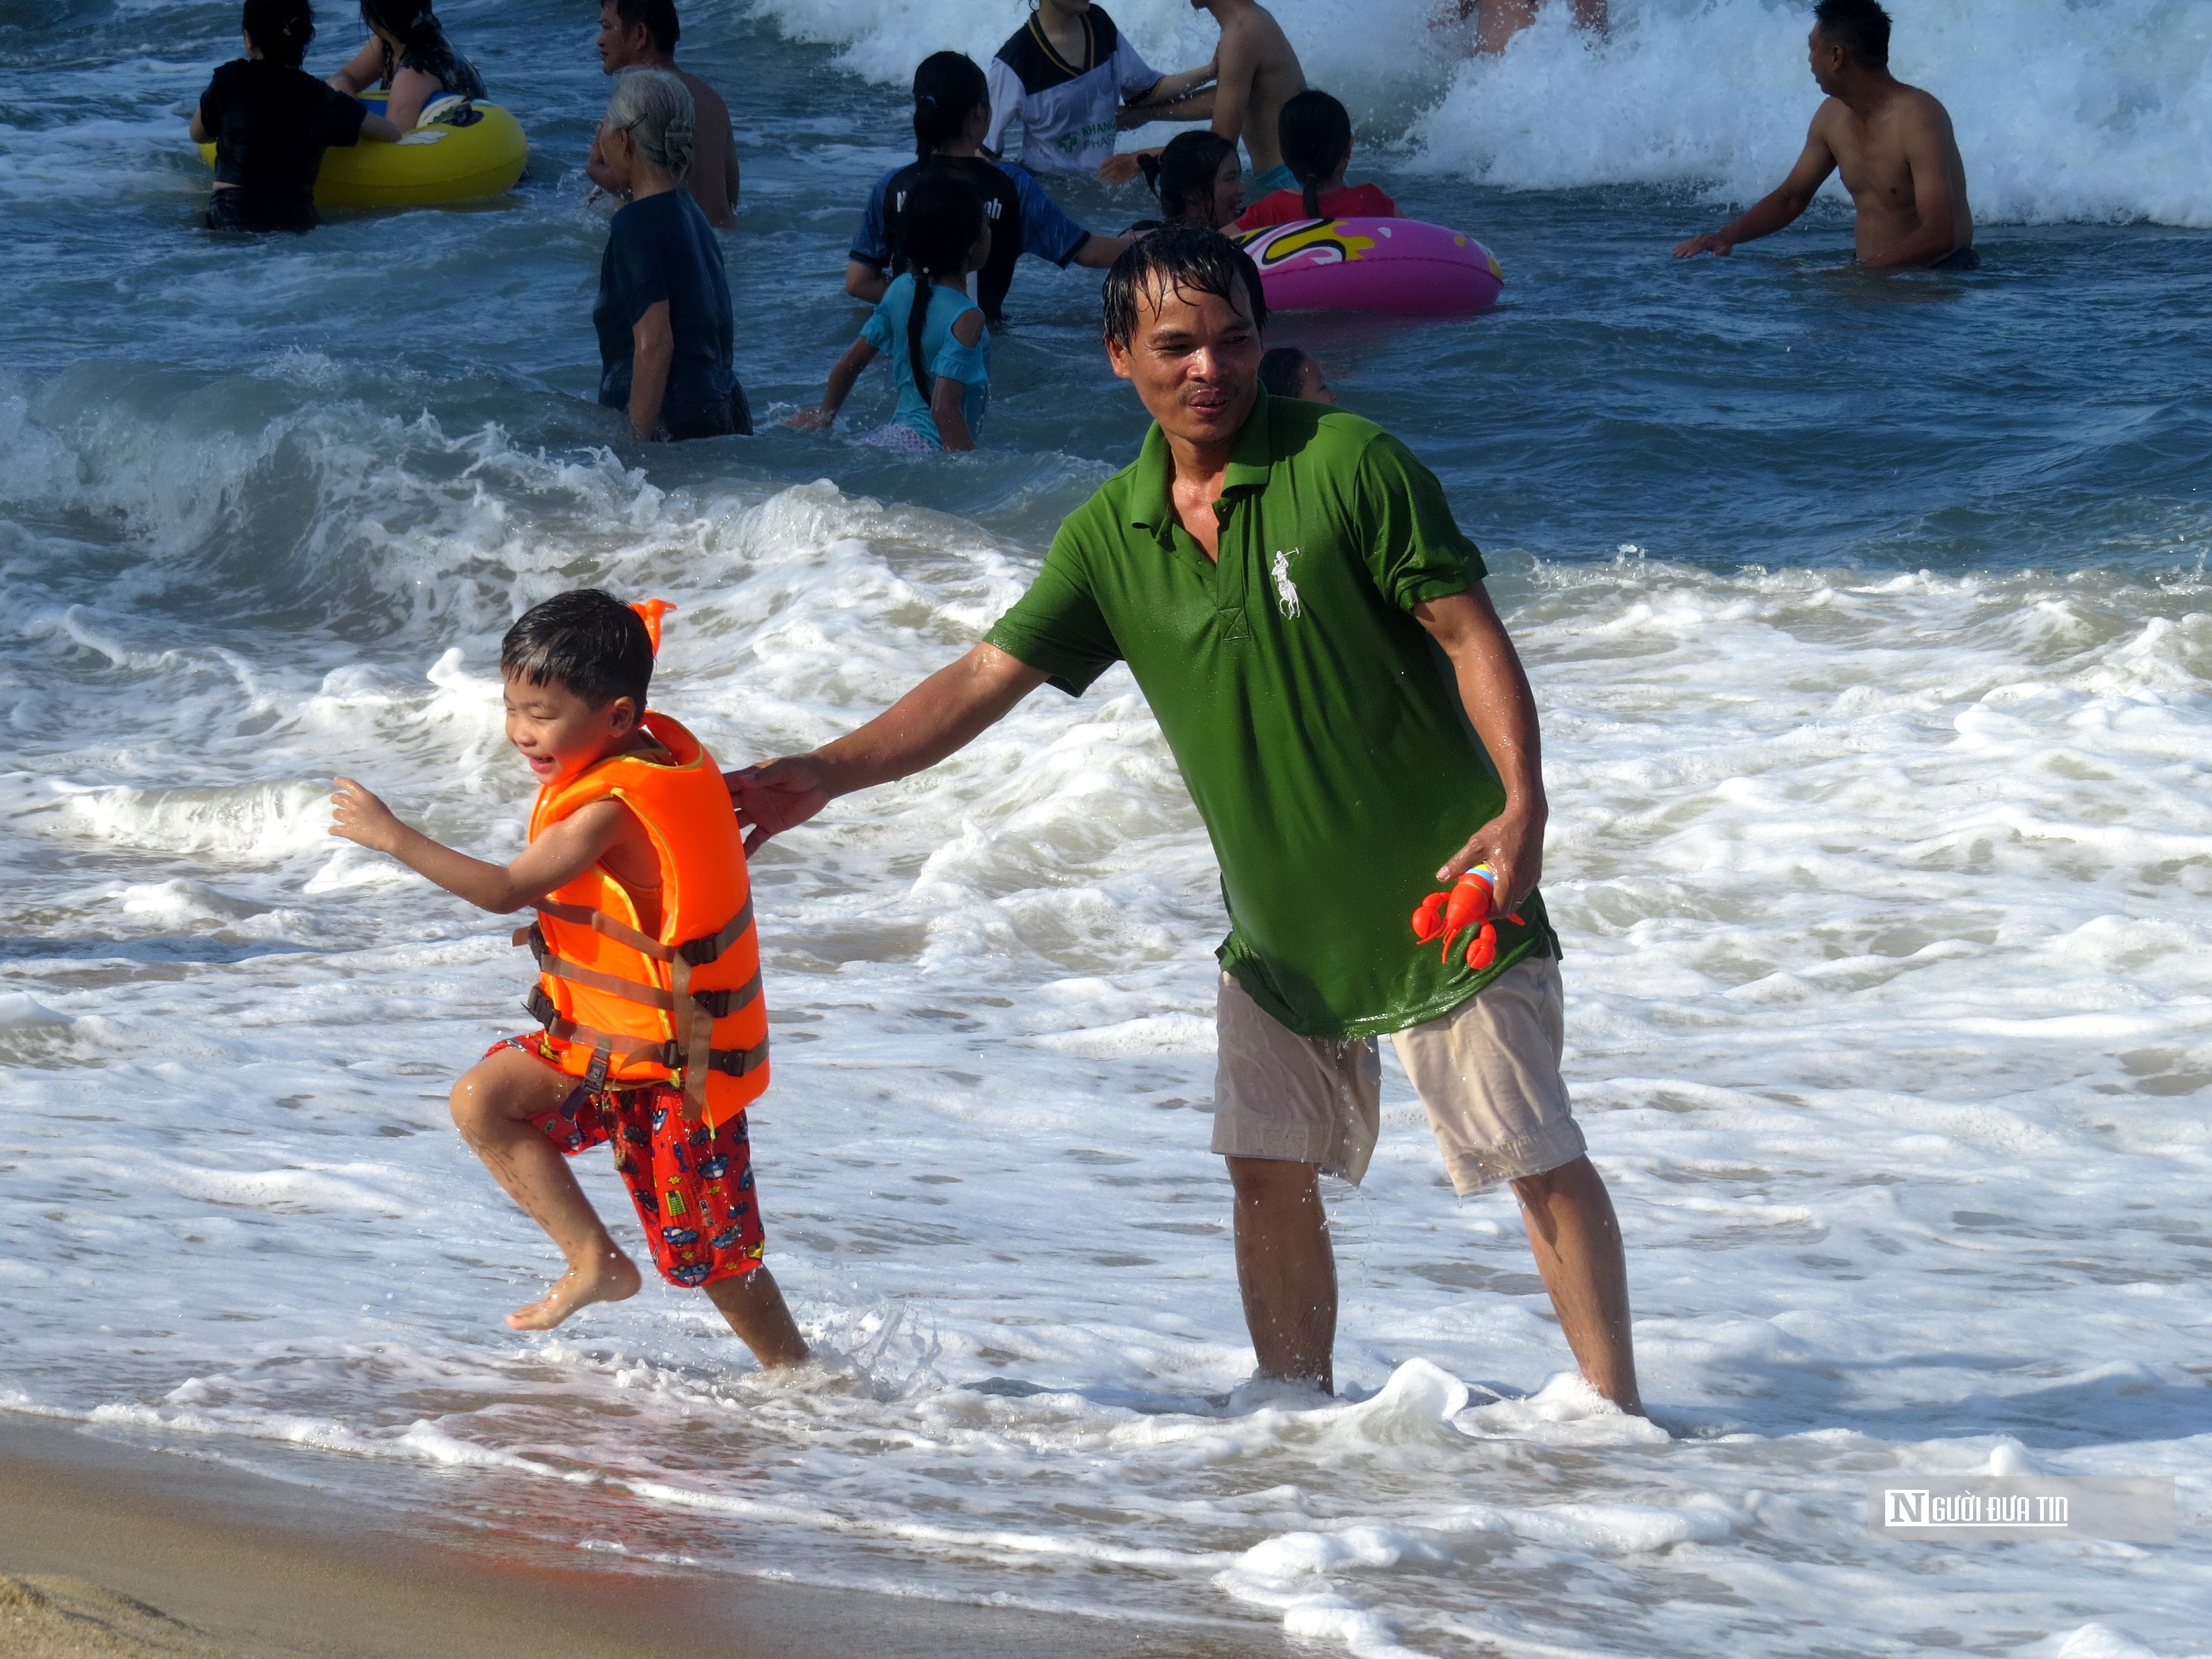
[589, 642]
[1178, 259]
[1281, 370]
[657, 18]
[1315, 133]
[280, 29]
[1861, 27]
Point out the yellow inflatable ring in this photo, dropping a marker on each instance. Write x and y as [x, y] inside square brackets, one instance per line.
[428, 167]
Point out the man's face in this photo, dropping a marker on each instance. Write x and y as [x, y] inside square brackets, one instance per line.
[557, 732]
[1195, 360]
[621, 44]
[1826, 59]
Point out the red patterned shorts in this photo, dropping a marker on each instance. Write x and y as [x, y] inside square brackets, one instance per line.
[693, 1186]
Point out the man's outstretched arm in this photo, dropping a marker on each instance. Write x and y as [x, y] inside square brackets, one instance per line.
[944, 714]
[1771, 212]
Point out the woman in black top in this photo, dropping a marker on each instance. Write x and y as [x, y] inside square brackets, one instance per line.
[408, 54]
[663, 315]
[270, 121]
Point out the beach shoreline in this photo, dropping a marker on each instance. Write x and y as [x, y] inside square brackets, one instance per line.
[120, 1552]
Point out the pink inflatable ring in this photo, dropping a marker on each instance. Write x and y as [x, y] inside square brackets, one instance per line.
[1402, 265]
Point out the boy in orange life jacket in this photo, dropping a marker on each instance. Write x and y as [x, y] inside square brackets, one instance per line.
[655, 1037]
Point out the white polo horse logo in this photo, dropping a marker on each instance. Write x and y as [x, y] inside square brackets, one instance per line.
[1286, 591]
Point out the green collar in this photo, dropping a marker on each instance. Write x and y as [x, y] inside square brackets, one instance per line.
[1249, 463]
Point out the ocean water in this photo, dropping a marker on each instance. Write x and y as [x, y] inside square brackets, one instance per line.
[1872, 629]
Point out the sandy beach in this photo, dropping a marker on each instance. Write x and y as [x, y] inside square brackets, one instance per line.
[110, 1552]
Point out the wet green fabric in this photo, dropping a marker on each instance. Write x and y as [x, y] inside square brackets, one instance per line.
[1316, 722]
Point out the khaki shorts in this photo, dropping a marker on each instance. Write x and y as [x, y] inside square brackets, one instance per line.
[1488, 1073]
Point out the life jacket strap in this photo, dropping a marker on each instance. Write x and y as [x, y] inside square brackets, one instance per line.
[701, 951]
[698, 952]
[669, 1053]
[689, 1053]
[719, 1004]
[629, 990]
[580, 915]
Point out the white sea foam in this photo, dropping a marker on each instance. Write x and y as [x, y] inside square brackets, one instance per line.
[2097, 111]
[2066, 109]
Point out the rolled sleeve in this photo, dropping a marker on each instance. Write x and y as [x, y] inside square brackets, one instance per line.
[1131, 73]
[968, 364]
[1046, 231]
[1005, 88]
[876, 331]
[1057, 628]
[871, 242]
[1416, 550]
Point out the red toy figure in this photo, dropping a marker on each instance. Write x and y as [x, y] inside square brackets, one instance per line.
[1451, 913]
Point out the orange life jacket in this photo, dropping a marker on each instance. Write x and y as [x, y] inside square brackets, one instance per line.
[622, 1006]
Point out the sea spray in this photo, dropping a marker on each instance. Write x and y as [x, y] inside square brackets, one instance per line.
[2098, 111]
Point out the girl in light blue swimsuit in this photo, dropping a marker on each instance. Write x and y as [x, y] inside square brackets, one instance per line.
[934, 335]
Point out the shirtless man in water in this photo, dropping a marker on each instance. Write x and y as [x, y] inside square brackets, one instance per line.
[641, 35]
[1255, 74]
[1892, 142]
[1497, 21]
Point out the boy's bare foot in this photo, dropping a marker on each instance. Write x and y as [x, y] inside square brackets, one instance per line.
[614, 1277]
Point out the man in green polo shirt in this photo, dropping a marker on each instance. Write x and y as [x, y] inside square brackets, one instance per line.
[1287, 585]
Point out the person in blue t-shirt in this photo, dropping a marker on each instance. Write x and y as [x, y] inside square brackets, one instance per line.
[951, 113]
[935, 336]
[663, 314]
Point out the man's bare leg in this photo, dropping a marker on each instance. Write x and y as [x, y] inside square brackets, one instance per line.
[753, 1304]
[1285, 1269]
[1577, 1239]
[493, 1104]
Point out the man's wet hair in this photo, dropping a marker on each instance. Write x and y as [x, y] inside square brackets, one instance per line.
[1178, 259]
[585, 639]
[1861, 27]
[657, 16]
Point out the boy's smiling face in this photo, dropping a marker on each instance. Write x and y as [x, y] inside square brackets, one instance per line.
[559, 733]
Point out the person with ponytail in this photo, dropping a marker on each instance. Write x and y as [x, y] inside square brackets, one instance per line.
[271, 121]
[1200, 179]
[1315, 133]
[935, 336]
[663, 316]
[409, 55]
[951, 113]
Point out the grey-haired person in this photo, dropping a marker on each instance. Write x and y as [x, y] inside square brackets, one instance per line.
[1310, 627]
[663, 314]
